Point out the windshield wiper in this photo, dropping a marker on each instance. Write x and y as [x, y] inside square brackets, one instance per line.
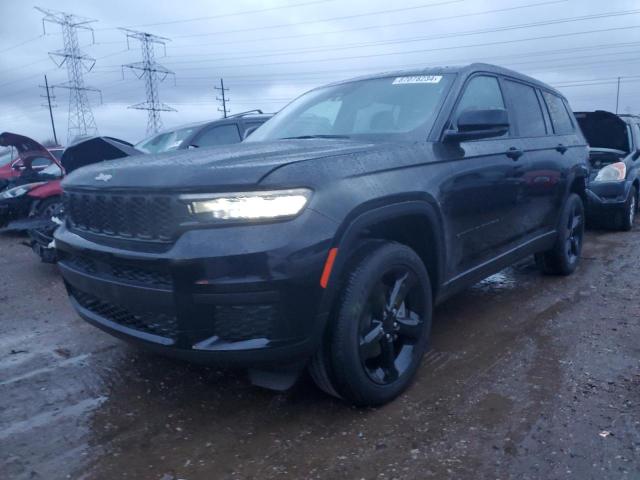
[303, 137]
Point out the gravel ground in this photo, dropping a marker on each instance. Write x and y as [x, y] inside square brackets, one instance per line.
[530, 377]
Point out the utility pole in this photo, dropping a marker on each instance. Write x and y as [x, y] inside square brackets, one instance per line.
[618, 95]
[152, 72]
[223, 99]
[81, 121]
[48, 97]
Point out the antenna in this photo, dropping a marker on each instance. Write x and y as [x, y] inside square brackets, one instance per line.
[152, 72]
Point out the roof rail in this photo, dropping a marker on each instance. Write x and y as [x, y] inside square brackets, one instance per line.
[248, 112]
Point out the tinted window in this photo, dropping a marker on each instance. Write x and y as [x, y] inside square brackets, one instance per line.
[560, 119]
[481, 93]
[57, 153]
[525, 112]
[166, 141]
[221, 135]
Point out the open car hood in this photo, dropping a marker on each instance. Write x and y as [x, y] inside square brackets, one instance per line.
[96, 149]
[604, 131]
[27, 147]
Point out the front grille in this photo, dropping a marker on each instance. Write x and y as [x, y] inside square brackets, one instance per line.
[151, 218]
[235, 323]
[118, 270]
[161, 324]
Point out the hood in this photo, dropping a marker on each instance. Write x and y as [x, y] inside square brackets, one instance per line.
[604, 130]
[96, 149]
[231, 166]
[26, 147]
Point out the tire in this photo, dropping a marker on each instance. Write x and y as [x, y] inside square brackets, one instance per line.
[564, 257]
[380, 327]
[48, 207]
[628, 215]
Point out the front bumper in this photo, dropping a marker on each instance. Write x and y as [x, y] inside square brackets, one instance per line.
[245, 296]
[605, 200]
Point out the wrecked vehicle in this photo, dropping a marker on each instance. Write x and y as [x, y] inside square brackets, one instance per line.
[614, 183]
[33, 189]
[232, 129]
[325, 239]
[46, 217]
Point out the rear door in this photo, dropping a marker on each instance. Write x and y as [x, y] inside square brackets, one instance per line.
[541, 164]
[482, 185]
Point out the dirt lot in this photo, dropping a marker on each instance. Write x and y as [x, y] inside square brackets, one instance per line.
[530, 377]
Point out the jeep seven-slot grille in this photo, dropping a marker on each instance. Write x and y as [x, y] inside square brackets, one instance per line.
[161, 324]
[152, 218]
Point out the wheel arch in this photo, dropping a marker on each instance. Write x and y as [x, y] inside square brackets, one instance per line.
[413, 220]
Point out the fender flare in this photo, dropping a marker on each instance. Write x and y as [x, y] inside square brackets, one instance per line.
[350, 232]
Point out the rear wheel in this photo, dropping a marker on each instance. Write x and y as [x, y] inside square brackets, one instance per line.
[380, 328]
[630, 210]
[564, 257]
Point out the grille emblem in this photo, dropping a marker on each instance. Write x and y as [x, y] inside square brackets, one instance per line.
[104, 177]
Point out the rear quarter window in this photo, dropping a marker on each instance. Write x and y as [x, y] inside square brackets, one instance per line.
[560, 119]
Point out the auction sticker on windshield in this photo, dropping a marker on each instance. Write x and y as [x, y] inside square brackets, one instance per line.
[417, 79]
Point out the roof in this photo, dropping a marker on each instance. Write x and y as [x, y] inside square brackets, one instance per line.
[457, 69]
[230, 118]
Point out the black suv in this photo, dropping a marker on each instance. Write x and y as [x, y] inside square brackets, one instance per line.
[325, 239]
[614, 182]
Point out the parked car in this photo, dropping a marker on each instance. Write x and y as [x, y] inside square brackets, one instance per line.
[614, 182]
[325, 239]
[232, 129]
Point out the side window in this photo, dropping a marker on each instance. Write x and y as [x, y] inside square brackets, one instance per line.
[562, 124]
[526, 111]
[482, 93]
[220, 135]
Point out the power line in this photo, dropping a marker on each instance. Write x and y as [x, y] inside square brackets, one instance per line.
[371, 27]
[234, 14]
[81, 121]
[331, 19]
[13, 47]
[249, 55]
[152, 72]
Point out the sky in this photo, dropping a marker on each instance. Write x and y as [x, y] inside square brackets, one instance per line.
[270, 51]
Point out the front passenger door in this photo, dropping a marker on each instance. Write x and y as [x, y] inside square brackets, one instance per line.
[483, 184]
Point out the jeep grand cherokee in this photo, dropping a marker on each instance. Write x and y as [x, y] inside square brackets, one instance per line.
[325, 239]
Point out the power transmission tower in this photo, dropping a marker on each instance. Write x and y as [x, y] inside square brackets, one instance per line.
[152, 72]
[223, 99]
[81, 121]
[50, 96]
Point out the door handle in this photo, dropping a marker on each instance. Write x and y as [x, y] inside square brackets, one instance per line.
[514, 153]
[561, 148]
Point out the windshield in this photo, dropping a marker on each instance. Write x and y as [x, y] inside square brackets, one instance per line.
[6, 156]
[166, 141]
[390, 105]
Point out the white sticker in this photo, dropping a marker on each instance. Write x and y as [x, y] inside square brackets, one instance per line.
[417, 79]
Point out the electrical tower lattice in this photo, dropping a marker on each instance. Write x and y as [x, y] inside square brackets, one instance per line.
[151, 72]
[81, 120]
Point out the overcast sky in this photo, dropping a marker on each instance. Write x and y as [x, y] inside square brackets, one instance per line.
[270, 51]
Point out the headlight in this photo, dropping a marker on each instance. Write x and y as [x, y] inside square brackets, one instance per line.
[276, 204]
[612, 173]
[19, 191]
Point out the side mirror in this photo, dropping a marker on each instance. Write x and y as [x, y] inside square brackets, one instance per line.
[478, 124]
[249, 131]
[192, 147]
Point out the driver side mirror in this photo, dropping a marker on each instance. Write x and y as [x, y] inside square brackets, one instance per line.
[478, 124]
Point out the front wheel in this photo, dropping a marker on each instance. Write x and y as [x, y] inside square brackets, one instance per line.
[380, 329]
[564, 257]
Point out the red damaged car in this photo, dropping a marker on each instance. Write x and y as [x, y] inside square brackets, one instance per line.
[30, 182]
